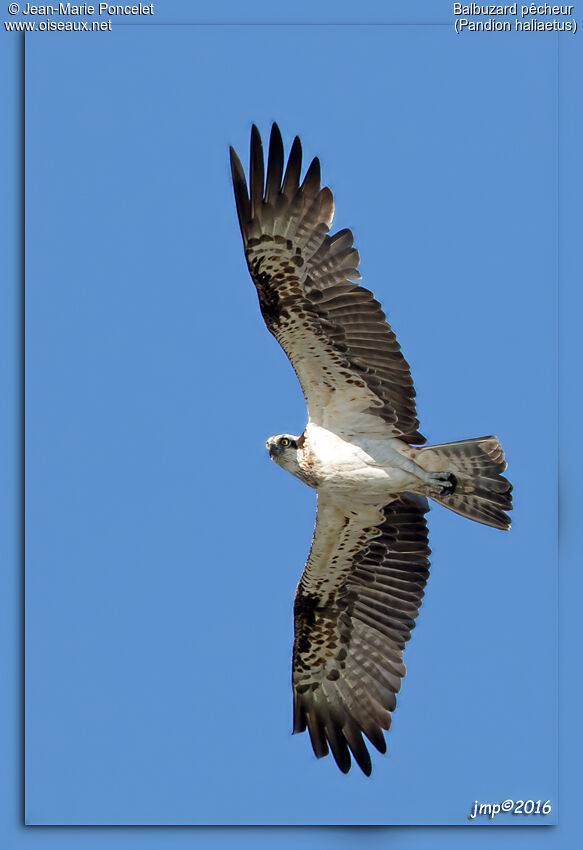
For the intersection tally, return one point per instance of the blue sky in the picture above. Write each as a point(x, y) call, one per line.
point(163, 548)
point(98, 748)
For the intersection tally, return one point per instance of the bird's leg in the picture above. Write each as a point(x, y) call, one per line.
point(440, 483)
point(436, 483)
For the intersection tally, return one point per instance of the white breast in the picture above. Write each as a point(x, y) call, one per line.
point(368, 469)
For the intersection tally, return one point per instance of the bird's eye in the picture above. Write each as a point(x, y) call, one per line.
point(285, 442)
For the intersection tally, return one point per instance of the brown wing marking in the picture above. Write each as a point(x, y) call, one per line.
point(334, 332)
point(354, 610)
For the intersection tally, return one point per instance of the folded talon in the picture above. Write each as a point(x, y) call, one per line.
point(441, 483)
point(449, 488)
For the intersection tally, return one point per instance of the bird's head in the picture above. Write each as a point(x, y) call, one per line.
point(283, 449)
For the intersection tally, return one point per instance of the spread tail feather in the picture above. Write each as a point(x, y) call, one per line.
point(478, 490)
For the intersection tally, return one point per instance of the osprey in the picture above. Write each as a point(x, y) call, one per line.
point(362, 585)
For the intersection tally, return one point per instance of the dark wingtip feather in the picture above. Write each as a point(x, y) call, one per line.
point(274, 164)
point(358, 748)
point(365, 766)
point(377, 739)
point(256, 172)
point(291, 180)
point(299, 714)
point(317, 734)
point(240, 190)
point(311, 184)
point(338, 746)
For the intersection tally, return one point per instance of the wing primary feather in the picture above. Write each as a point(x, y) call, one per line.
point(311, 184)
point(241, 194)
point(274, 165)
point(338, 745)
point(291, 180)
point(376, 737)
point(316, 732)
point(357, 746)
point(256, 172)
point(299, 718)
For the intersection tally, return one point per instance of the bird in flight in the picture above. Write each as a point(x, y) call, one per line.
point(361, 450)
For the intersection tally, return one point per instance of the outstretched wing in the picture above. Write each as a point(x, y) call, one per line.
point(349, 364)
point(354, 609)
